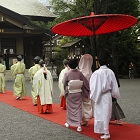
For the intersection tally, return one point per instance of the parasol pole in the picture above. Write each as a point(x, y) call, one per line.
point(96, 58)
point(94, 39)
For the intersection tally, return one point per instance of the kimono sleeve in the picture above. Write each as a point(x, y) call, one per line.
point(50, 81)
point(4, 70)
point(60, 84)
point(24, 68)
point(36, 85)
point(85, 88)
point(65, 82)
point(12, 69)
point(95, 87)
point(115, 90)
point(30, 74)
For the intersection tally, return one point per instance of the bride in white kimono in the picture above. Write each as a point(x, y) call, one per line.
point(103, 86)
point(85, 65)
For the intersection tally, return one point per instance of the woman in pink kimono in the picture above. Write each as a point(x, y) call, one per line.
point(76, 86)
point(85, 65)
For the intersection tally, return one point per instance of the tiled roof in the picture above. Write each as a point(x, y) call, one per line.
point(69, 44)
point(27, 7)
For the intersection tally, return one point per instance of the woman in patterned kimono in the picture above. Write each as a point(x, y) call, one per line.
point(60, 84)
point(18, 71)
point(103, 87)
point(2, 78)
point(76, 86)
point(43, 88)
point(85, 65)
point(32, 72)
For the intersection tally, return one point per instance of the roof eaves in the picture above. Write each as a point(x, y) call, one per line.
point(16, 16)
point(69, 44)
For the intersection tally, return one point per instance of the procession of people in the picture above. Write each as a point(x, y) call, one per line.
point(83, 94)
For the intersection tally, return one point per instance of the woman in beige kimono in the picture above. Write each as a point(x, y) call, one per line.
point(18, 72)
point(85, 65)
point(60, 84)
point(32, 72)
point(76, 86)
point(43, 88)
point(2, 78)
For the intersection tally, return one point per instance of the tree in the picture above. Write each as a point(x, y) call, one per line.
point(123, 43)
point(70, 10)
point(119, 42)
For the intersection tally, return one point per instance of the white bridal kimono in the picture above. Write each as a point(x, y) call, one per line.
point(103, 86)
point(85, 65)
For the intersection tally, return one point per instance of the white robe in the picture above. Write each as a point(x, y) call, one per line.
point(85, 65)
point(43, 87)
point(60, 84)
point(103, 86)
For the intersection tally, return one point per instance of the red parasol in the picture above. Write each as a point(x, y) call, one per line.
point(94, 25)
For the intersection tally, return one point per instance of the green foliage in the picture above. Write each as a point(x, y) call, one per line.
point(123, 44)
point(60, 53)
point(66, 39)
point(70, 10)
point(41, 24)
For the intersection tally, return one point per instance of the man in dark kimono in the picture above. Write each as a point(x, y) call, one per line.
point(117, 112)
point(131, 70)
point(76, 86)
point(6, 59)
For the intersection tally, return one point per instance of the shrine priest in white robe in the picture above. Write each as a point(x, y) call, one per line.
point(43, 89)
point(103, 87)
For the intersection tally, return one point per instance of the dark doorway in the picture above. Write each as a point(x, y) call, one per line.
point(32, 47)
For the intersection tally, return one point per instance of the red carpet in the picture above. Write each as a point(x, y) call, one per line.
point(118, 132)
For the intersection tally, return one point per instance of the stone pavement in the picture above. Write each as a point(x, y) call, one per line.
point(16, 124)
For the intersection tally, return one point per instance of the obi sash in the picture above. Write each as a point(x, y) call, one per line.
point(1, 74)
point(75, 86)
point(19, 74)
